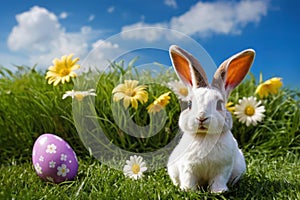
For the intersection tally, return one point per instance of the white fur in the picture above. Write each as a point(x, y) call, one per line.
point(207, 154)
point(206, 158)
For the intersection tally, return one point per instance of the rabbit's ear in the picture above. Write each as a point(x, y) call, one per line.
point(233, 70)
point(188, 68)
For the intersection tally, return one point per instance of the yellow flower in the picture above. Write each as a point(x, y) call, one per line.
point(62, 70)
point(131, 93)
point(270, 86)
point(230, 107)
point(159, 103)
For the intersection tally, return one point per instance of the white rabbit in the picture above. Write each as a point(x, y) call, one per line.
point(207, 154)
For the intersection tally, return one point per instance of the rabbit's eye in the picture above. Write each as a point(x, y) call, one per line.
point(220, 105)
point(189, 104)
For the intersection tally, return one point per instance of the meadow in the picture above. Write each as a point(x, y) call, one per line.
point(29, 107)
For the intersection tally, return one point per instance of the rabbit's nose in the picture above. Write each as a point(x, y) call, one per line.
point(202, 119)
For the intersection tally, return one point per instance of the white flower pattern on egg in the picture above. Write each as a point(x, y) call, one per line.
point(51, 148)
point(62, 170)
point(63, 157)
point(38, 168)
point(41, 158)
point(75, 156)
point(52, 164)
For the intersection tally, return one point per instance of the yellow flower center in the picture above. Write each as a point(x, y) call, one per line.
point(249, 110)
point(183, 91)
point(63, 170)
point(79, 97)
point(130, 92)
point(64, 72)
point(135, 168)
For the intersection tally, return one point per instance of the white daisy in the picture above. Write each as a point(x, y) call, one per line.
point(249, 111)
point(79, 95)
point(179, 89)
point(62, 170)
point(135, 167)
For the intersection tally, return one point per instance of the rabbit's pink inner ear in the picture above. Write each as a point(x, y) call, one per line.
point(188, 68)
point(182, 68)
point(238, 69)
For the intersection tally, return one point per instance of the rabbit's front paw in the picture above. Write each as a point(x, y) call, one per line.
point(186, 187)
point(188, 182)
point(218, 187)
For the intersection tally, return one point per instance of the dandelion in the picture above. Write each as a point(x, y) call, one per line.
point(179, 89)
point(135, 167)
point(62, 70)
point(79, 95)
point(131, 93)
point(230, 107)
point(159, 103)
point(249, 111)
point(270, 86)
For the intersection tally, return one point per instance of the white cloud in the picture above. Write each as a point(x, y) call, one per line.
point(66, 43)
point(171, 3)
point(91, 18)
point(140, 32)
point(219, 17)
point(111, 9)
point(39, 36)
point(101, 54)
point(63, 15)
point(32, 30)
point(207, 18)
point(251, 11)
point(104, 44)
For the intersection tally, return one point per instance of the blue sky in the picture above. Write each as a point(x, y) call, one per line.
point(35, 32)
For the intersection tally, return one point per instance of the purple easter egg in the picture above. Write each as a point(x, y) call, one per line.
point(53, 159)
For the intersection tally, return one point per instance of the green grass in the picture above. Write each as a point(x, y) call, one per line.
point(269, 176)
point(30, 107)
